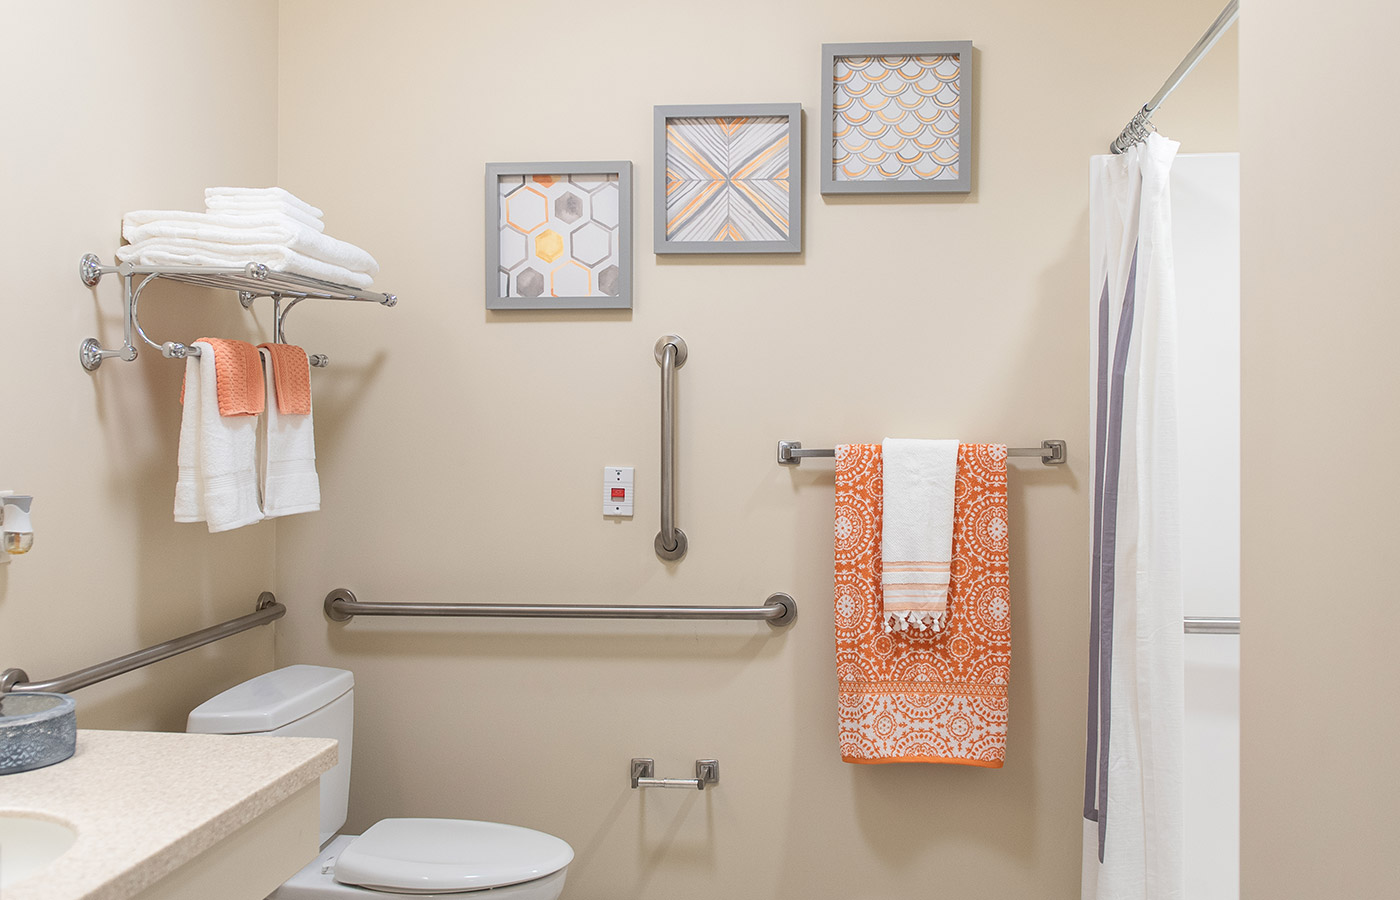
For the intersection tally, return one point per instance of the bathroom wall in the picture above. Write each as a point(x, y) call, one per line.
point(109, 107)
point(1319, 784)
point(461, 451)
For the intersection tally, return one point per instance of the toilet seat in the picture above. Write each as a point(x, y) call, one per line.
point(438, 856)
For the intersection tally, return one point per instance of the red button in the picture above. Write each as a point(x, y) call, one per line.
point(619, 493)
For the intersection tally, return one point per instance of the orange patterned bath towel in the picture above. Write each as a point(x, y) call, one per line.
point(923, 696)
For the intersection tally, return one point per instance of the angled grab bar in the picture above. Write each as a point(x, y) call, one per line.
point(268, 610)
point(779, 609)
point(670, 356)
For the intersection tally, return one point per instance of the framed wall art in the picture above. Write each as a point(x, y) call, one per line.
point(728, 178)
point(897, 117)
point(559, 235)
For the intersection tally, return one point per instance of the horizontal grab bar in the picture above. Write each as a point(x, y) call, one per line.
point(779, 609)
point(1211, 624)
point(268, 610)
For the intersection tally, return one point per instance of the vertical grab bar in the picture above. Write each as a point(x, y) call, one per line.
point(670, 356)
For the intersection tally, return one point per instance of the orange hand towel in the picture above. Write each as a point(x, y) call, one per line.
point(238, 374)
point(291, 377)
point(916, 696)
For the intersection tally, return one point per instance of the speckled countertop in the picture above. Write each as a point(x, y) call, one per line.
point(145, 803)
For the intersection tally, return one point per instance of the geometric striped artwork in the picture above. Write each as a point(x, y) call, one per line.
point(897, 119)
point(560, 235)
point(730, 179)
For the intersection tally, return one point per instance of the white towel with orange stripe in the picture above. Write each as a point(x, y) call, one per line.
point(916, 543)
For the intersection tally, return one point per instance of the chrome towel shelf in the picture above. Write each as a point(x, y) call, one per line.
point(779, 609)
point(250, 282)
point(1051, 452)
point(268, 610)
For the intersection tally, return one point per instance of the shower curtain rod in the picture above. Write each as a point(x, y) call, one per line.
point(1137, 129)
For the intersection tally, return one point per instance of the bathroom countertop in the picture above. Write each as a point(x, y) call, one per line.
point(146, 803)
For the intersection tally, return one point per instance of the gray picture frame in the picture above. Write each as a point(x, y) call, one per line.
point(661, 114)
point(622, 169)
point(962, 184)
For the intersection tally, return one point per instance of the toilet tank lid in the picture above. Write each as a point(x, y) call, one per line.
point(270, 701)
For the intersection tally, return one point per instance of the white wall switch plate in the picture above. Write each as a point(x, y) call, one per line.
point(617, 491)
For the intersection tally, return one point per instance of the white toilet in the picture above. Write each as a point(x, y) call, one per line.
point(448, 858)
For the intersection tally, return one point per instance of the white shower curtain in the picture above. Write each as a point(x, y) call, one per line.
point(1133, 764)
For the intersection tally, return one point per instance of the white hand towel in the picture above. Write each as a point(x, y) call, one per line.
point(221, 487)
point(217, 229)
point(176, 252)
point(288, 456)
point(189, 480)
point(270, 193)
point(235, 206)
point(916, 546)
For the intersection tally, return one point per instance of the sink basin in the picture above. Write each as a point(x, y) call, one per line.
point(36, 730)
point(28, 844)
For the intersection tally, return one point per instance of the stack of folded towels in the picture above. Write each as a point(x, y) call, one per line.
point(245, 225)
point(247, 451)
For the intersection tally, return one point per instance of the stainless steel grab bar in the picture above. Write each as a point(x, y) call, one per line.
point(670, 356)
point(778, 609)
point(268, 610)
point(1211, 624)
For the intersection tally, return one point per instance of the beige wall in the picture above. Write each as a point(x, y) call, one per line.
point(1319, 786)
point(109, 107)
point(460, 451)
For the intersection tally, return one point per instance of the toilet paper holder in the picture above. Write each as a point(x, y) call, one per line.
point(644, 772)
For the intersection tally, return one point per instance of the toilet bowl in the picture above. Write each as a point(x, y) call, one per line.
point(445, 858)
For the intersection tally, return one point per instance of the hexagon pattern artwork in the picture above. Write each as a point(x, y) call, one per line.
point(895, 118)
point(727, 178)
point(558, 235)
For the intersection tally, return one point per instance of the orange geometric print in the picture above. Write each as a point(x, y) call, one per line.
point(923, 696)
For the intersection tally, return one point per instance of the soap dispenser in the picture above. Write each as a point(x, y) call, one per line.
point(15, 527)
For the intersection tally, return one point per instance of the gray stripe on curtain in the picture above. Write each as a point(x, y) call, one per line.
point(1109, 448)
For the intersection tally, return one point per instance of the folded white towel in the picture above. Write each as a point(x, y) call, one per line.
point(269, 193)
point(218, 478)
point(250, 217)
point(239, 207)
point(214, 228)
point(176, 252)
point(916, 545)
point(288, 456)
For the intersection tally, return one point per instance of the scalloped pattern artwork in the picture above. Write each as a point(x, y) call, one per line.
point(895, 118)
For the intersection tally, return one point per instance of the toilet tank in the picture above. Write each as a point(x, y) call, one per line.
point(297, 701)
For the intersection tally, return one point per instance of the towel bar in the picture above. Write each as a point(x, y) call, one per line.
point(1050, 452)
